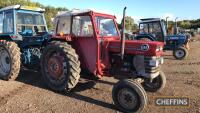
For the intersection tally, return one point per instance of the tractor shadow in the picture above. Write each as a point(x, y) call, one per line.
point(35, 79)
point(169, 57)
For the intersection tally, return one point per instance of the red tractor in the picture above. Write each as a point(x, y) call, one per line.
point(88, 40)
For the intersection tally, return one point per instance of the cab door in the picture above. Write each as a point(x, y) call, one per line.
point(106, 32)
point(85, 42)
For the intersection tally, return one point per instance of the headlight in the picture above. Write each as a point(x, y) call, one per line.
point(154, 63)
point(159, 48)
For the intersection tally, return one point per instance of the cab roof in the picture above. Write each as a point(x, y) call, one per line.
point(147, 20)
point(80, 12)
point(23, 8)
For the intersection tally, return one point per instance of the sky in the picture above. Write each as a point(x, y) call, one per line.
point(183, 9)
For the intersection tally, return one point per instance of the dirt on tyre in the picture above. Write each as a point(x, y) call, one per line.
point(60, 66)
point(129, 96)
point(157, 84)
point(180, 53)
point(10, 60)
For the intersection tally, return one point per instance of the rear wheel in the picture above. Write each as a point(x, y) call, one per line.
point(157, 84)
point(9, 60)
point(60, 66)
point(180, 53)
point(129, 96)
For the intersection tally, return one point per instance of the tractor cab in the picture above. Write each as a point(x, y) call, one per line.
point(23, 23)
point(85, 23)
point(154, 29)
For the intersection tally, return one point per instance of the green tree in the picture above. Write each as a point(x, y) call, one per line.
point(185, 24)
point(130, 24)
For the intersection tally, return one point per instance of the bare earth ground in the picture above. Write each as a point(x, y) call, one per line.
point(29, 94)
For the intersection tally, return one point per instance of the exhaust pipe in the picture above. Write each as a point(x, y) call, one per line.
point(122, 47)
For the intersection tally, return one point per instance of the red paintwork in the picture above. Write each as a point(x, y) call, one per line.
point(131, 47)
point(88, 48)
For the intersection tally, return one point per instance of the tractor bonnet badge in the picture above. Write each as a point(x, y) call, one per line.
point(144, 47)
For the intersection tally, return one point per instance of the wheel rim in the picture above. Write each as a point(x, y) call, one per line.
point(180, 53)
point(127, 98)
point(56, 68)
point(5, 62)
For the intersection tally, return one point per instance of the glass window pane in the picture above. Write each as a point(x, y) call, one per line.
point(64, 24)
point(26, 18)
point(82, 26)
point(8, 23)
point(28, 23)
point(143, 28)
point(106, 26)
point(1, 23)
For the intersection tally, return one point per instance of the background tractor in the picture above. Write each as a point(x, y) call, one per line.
point(23, 33)
point(153, 29)
point(88, 40)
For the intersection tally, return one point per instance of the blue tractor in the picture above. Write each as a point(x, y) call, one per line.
point(23, 34)
point(153, 29)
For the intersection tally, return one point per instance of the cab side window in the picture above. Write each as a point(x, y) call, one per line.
point(82, 26)
point(63, 25)
point(8, 26)
point(144, 29)
point(1, 22)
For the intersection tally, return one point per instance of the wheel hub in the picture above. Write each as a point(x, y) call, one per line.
point(55, 66)
point(179, 53)
point(127, 98)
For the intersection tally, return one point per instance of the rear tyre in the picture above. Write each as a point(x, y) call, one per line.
point(9, 60)
point(180, 53)
point(60, 66)
point(157, 85)
point(129, 96)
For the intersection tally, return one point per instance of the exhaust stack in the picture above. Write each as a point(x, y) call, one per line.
point(123, 35)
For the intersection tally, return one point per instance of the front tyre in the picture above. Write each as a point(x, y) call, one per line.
point(157, 84)
point(180, 53)
point(129, 96)
point(60, 66)
point(9, 60)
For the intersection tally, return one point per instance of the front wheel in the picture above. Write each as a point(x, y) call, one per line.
point(180, 53)
point(157, 84)
point(60, 66)
point(129, 96)
point(9, 60)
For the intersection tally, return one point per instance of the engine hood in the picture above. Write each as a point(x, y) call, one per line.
point(176, 37)
point(136, 47)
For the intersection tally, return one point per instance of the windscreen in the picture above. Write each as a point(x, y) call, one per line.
point(106, 26)
point(153, 28)
point(28, 23)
